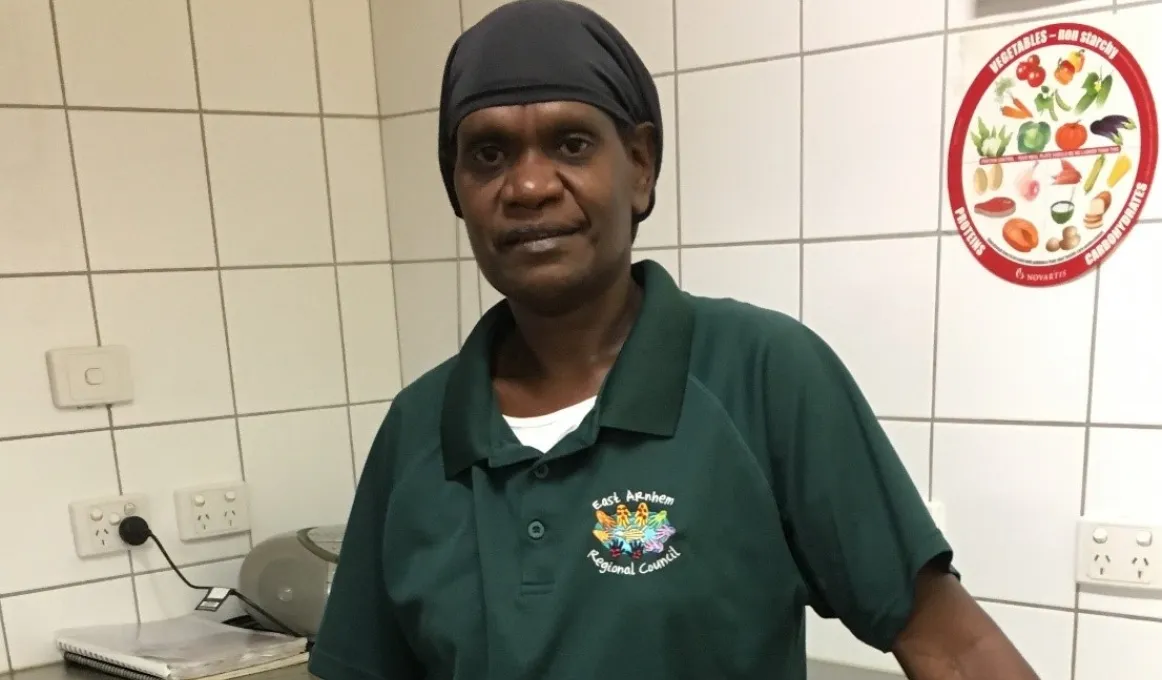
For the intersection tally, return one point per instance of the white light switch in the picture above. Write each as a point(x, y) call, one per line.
point(89, 376)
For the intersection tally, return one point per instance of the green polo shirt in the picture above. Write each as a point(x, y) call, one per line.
point(730, 475)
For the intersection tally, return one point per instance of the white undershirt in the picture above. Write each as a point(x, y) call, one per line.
point(543, 432)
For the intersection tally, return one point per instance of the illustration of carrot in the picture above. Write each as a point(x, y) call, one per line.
point(1016, 108)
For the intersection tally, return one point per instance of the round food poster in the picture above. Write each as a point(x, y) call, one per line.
point(1052, 154)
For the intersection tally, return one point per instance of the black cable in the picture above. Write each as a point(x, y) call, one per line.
point(136, 531)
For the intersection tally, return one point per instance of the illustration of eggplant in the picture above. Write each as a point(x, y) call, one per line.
point(1111, 127)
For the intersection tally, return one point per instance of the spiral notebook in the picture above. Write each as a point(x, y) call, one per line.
point(189, 647)
point(130, 674)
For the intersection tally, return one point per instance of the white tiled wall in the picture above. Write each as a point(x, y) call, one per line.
point(204, 183)
point(208, 187)
point(803, 172)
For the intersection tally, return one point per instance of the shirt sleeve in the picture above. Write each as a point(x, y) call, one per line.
point(360, 637)
point(857, 524)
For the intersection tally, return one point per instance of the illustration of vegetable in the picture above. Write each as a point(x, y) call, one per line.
point(989, 142)
point(1028, 187)
point(1094, 172)
point(980, 182)
point(1110, 127)
point(1097, 90)
point(1068, 175)
point(1011, 107)
point(1033, 137)
point(1068, 241)
point(1068, 67)
point(1071, 136)
point(1031, 72)
point(1070, 238)
point(1020, 234)
point(1121, 167)
point(1048, 101)
point(1018, 112)
point(996, 176)
point(1076, 59)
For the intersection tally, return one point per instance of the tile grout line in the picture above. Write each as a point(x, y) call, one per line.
point(331, 227)
point(88, 263)
point(117, 577)
point(988, 422)
point(945, 44)
point(983, 26)
point(677, 142)
point(217, 250)
point(802, 160)
point(4, 637)
point(853, 238)
point(387, 206)
point(968, 28)
point(1088, 438)
point(1076, 611)
point(199, 109)
point(480, 282)
point(1028, 605)
point(169, 270)
point(1019, 423)
point(200, 419)
point(460, 334)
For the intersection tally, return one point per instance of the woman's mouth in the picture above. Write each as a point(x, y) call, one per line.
point(536, 237)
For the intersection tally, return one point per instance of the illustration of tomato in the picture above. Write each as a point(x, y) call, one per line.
point(1071, 136)
point(1036, 76)
point(1023, 70)
point(1065, 72)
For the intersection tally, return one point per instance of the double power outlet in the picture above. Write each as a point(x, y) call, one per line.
point(1119, 555)
point(212, 511)
point(96, 522)
point(202, 512)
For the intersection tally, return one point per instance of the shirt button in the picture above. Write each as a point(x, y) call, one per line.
point(541, 471)
point(536, 530)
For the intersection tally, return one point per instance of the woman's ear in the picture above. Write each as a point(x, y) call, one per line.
point(641, 144)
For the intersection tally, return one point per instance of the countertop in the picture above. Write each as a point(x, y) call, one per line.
point(63, 672)
point(815, 671)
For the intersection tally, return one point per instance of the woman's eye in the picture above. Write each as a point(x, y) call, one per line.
point(575, 146)
point(488, 155)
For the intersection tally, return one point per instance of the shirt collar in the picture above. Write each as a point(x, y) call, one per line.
point(643, 392)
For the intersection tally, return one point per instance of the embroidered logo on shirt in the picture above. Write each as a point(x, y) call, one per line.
point(634, 537)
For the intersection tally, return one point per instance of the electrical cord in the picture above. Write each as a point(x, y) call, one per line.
point(135, 531)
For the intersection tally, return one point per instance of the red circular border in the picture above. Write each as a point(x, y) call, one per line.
point(1067, 270)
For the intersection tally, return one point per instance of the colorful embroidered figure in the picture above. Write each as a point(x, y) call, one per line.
point(638, 534)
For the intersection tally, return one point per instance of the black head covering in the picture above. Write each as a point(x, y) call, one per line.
point(532, 51)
